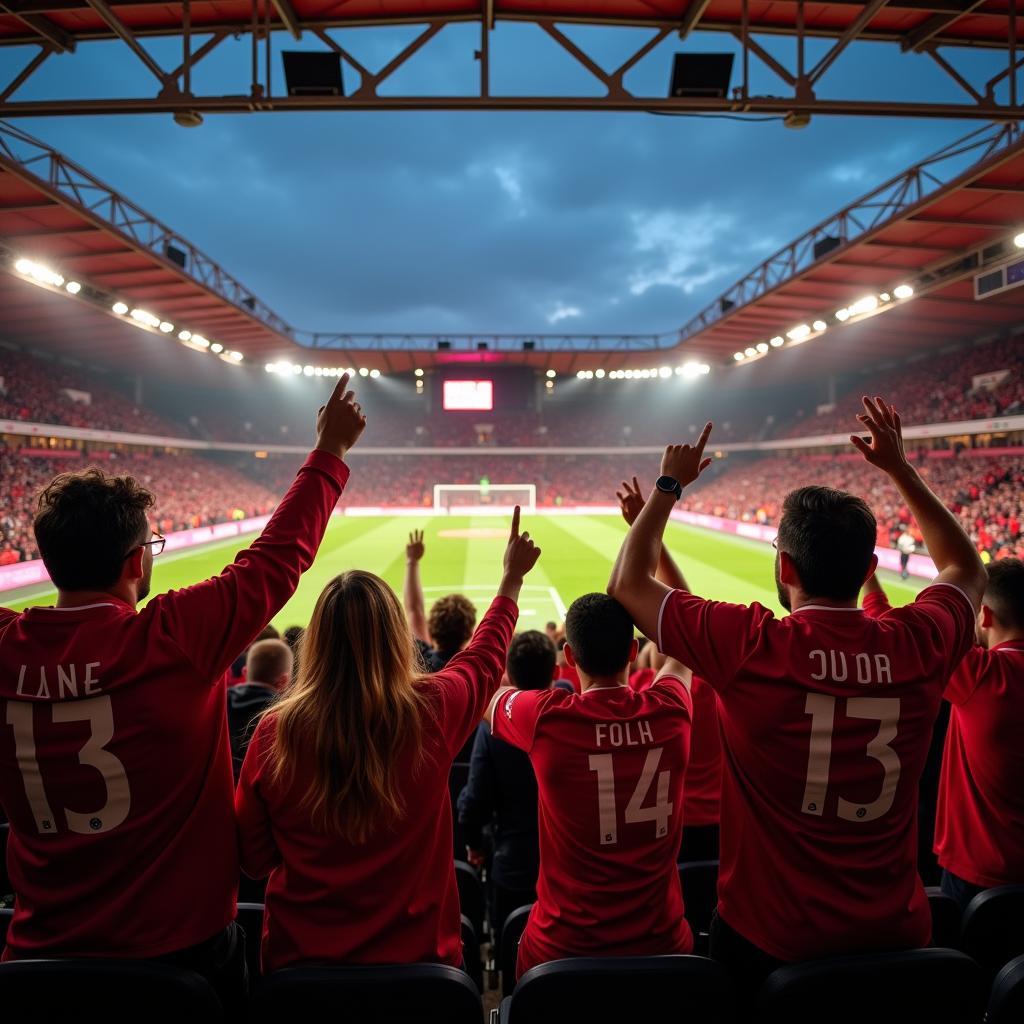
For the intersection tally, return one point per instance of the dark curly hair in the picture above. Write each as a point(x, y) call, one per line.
point(451, 623)
point(86, 524)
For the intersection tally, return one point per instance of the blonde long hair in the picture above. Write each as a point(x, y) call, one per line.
point(353, 709)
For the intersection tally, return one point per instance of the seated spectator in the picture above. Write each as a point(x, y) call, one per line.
point(268, 671)
point(343, 798)
point(238, 666)
point(826, 715)
point(117, 775)
point(502, 789)
point(609, 764)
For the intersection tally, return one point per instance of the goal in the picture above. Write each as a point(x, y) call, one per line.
point(483, 499)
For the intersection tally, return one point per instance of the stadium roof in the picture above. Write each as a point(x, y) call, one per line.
point(928, 227)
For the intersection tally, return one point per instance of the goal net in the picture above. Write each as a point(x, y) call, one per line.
point(483, 499)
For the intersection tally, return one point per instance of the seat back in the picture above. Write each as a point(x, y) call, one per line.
point(471, 896)
point(56, 991)
point(946, 918)
point(610, 990)
point(471, 953)
point(6, 915)
point(1006, 1003)
point(993, 927)
point(250, 917)
point(940, 986)
point(425, 993)
point(511, 933)
point(699, 879)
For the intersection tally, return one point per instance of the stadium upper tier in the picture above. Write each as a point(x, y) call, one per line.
point(971, 382)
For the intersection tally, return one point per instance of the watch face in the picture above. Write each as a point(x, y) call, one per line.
point(667, 484)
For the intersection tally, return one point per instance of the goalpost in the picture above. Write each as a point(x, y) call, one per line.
point(483, 499)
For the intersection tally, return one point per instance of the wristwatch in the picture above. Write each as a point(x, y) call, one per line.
point(669, 485)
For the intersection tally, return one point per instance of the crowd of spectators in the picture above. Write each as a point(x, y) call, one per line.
point(985, 491)
point(191, 491)
point(938, 389)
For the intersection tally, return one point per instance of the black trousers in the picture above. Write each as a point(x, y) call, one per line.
point(700, 842)
point(221, 961)
point(959, 890)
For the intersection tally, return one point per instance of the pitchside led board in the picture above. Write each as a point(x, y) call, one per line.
point(475, 395)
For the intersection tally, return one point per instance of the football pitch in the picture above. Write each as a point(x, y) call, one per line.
point(464, 554)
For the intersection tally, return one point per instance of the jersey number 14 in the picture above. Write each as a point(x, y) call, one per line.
point(604, 766)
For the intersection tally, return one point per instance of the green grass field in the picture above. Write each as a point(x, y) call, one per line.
point(577, 557)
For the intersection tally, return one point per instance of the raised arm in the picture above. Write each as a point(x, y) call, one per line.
point(949, 546)
point(412, 591)
point(631, 503)
point(213, 621)
point(874, 600)
point(634, 582)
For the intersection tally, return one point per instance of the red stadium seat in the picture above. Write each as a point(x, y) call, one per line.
point(937, 986)
point(424, 993)
point(611, 990)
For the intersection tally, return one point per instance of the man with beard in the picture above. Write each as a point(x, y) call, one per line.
point(826, 715)
point(115, 765)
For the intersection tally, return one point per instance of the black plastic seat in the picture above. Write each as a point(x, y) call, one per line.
point(993, 927)
point(250, 917)
point(6, 915)
point(471, 953)
point(472, 902)
point(946, 918)
point(611, 990)
point(1006, 1003)
point(940, 986)
point(699, 879)
point(424, 993)
point(511, 932)
point(129, 991)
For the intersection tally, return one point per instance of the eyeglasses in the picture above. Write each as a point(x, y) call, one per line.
point(157, 544)
point(775, 543)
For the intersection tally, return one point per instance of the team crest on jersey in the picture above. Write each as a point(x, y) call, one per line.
point(509, 701)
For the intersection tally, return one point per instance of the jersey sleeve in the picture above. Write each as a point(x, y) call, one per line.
point(711, 637)
point(876, 604)
point(257, 850)
point(214, 621)
point(471, 678)
point(967, 676)
point(944, 620)
point(517, 713)
point(672, 688)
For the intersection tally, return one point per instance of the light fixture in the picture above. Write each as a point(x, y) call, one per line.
point(664, 372)
point(885, 296)
point(777, 342)
point(318, 371)
point(417, 373)
point(799, 333)
point(73, 287)
point(216, 347)
point(820, 325)
point(120, 308)
point(363, 371)
point(235, 357)
point(705, 369)
point(905, 291)
point(200, 342)
point(1018, 240)
point(166, 327)
point(549, 384)
point(184, 335)
point(762, 347)
point(866, 305)
point(751, 351)
point(630, 374)
point(308, 371)
point(374, 373)
point(270, 368)
point(142, 316)
point(842, 315)
point(38, 272)
point(551, 374)
point(738, 356)
point(599, 374)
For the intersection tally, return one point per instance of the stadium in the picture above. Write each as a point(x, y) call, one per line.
point(359, 660)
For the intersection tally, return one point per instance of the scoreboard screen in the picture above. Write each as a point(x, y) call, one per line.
point(476, 395)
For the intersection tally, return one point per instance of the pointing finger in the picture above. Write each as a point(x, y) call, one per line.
point(339, 388)
point(703, 439)
point(515, 523)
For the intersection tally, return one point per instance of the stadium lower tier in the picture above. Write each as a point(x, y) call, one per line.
point(985, 490)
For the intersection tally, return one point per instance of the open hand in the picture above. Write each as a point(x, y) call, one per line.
point(521, 554)
point(415, 548)
point(631, 501)
point(340, 422)
point(885, 449)
point(686, 462)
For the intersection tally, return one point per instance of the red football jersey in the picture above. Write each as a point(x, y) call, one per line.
point(610, 765)
point(392, 899)
point(826, 717)
point(115, 765)
point(979, 829)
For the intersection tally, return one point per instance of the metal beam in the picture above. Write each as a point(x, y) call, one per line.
point(114, 23)
point(45, 29)
point(691, 16)
point(852, 31)
point(26, 73)
point(286, 13)
point(917, 38)
point(958, 222)
point(984, 186)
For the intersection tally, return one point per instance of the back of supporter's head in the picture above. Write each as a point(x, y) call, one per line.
point(451, 623)
point(269, 632)
point(599, 635)
point(87, 524)
point(531, 660)
point(353, 708)
point(1004, 595)
point(269, 662)
point(829, 536)
point(292, 635)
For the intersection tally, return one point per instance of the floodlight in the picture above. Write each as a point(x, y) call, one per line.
point(166, 327)
point(551, 374)
point(866, 305)
point(417, 373)
point(23, 266)
point(738, 356)
point(751, 351)
point(799, 333)
point(270, 368)
point(599, 374)
point(73, 287)
point(308, 371)
point(665, 371)
point(1018, 240)
point(777, 341)
point(374, 373)
point(820, 325)
point(905, 291)
point(184, 335)
point(363, 371)
point(120, 308)
point(762, 347)
point(198, 339)
point(842, 315)
point(216, 348)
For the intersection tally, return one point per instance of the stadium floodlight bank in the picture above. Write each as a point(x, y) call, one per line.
point(483, 499)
